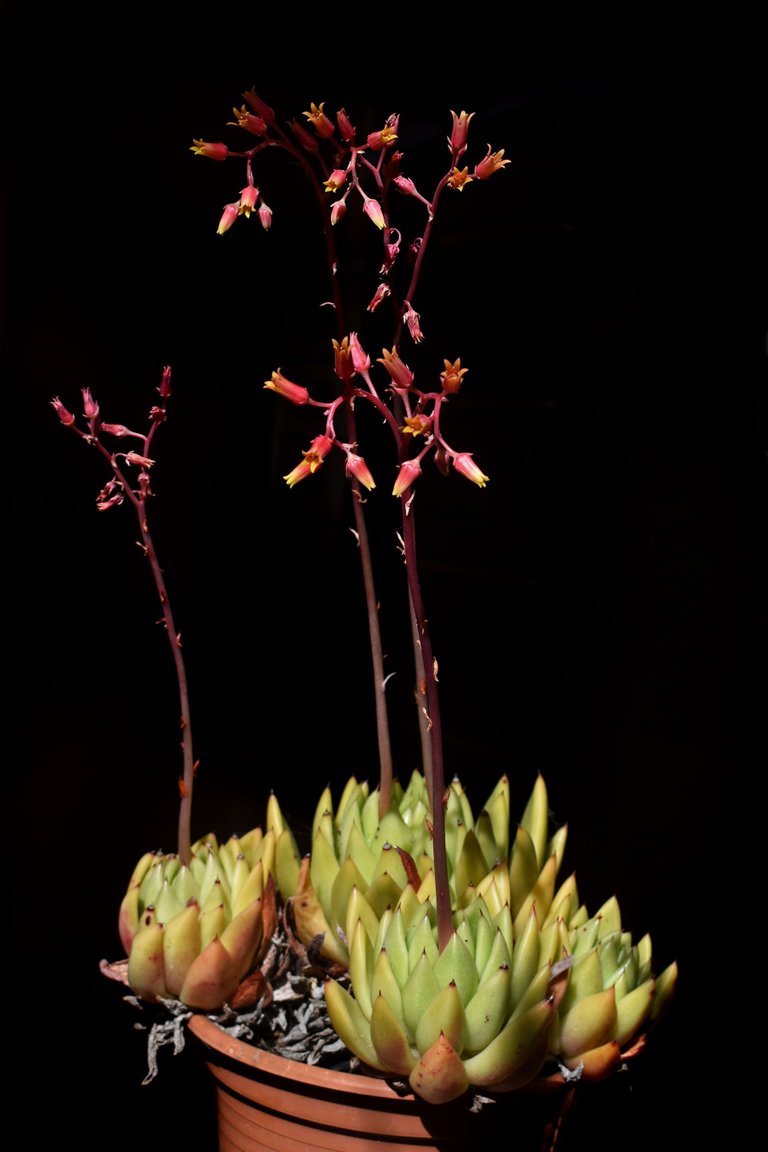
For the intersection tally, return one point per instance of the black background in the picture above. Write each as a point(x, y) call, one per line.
point(598, 611)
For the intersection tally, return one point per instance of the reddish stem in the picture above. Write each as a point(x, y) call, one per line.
point(139, 503)
point(386, 770)
point(442, 891)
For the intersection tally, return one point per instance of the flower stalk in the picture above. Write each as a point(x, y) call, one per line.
point(341, 170)
point(121, 488)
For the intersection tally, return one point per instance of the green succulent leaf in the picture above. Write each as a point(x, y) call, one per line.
point(390, 1039)
point(351, 1025)
point(444, 1016)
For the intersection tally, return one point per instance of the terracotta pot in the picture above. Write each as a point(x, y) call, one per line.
point(266, 1102)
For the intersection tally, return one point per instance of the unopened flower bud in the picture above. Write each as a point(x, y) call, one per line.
point(361, 361)
point(465, 465)
point(345, 127)
point(228, 217)
point(90, 407)
point(458, 137)
point(373, 211)
point(265, 215)
point(338, 208)
point(358, 468)
point(165, 382)
point(259, 107)
point(118, 430)
point(408, 474)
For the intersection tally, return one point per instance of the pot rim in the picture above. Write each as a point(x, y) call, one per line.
point(215, 1037)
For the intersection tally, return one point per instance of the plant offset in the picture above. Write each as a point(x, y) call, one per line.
point(452, 955)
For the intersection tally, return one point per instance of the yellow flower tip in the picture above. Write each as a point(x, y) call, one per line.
point(358, 468)
point(465, 466)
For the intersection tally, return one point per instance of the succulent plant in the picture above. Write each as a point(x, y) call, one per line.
point(193, 932)
point(612, 996)
point(357, 848)
point(527, 977)
point(453, 958)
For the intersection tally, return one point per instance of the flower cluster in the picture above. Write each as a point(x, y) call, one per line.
point(422, 418)
point(343, 165)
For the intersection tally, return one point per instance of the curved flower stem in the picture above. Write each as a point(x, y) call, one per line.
point(186, 783)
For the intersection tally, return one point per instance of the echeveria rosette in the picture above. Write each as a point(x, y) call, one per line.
point(194, 932)
point(529, 984)
point(507, 1001)
point(612, 997)
point(355, 847)
point(476, 1014)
